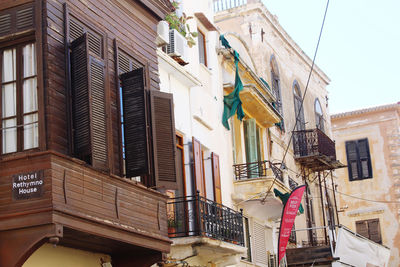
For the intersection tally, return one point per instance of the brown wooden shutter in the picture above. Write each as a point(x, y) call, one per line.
point(374, 231)
point(216, 177)
point(89, 118)
point(80, 101)
point(198, 167)
point(352, 160)
point(17, 19)
point(135, 123)
point(362, 228)
point(164, 147)
point(98, 113)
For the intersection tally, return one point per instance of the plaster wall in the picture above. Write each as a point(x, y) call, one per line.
point(48, 256)
point(247, 24)
point(382, 128)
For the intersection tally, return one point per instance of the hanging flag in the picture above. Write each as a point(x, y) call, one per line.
point(288, 216)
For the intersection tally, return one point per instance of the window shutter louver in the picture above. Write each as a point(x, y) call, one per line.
point(216, 178)
point(135, 123)
point(164, 146)
point(98, 112)
point(197, 167)
point(17, 19)
point(362, 228)
point(25, 18)
point(89, 119)
point(80, 91)
point(260, 249)
point(352, 159)
point(374, 231)
point(365, 162)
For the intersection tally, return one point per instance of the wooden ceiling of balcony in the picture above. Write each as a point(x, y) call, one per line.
point(319, 163)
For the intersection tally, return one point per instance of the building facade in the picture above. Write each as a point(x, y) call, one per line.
point(367, 142)
point(267, 157)
point(86, 135)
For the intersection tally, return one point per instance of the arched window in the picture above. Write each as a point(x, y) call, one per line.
point(276, 89)
point(298, 109)
point(319, 117)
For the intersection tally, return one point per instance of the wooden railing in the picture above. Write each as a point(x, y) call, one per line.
point(313, 142)
point(221, 5)
point(257, 170)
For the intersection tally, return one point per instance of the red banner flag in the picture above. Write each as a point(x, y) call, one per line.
point(288, 216)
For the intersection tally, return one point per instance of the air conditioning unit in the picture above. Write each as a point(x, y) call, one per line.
point(162, 33)
point(177, 47)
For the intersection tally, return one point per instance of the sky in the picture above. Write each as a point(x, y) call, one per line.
point(359, 48)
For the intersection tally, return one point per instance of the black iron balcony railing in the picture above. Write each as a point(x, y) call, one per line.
point(198, 216)
point(257, 170)
point(313, 142)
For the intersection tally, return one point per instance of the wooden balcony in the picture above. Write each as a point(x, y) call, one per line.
point(48, 197)
point(315, 150)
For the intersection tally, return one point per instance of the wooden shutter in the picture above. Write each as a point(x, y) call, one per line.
point(260, 248)
point(80, 101)
point(216, 177)
point(17, 19)
point(362, 228)
point(98, 118)
point(89, 118)
point(164, 147)
point(352, 159)
point(135, 123)
point(374, 231)
point(198, 167)
point(365, 160)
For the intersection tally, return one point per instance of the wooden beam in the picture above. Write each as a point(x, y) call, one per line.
point(17, 245)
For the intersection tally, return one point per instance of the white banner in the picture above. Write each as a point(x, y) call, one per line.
point(358, 251)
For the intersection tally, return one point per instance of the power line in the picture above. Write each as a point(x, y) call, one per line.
point(365, 199)
point(304, 95)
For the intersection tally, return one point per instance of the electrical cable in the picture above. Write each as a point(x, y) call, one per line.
point(302, 100)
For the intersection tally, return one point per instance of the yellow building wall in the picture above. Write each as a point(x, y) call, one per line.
point(50, 256)
point(381, 126)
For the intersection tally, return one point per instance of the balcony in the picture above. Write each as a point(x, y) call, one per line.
point(315, 150)
point(198, 216)
point(221, 5)
point(252, 181)
point(49, 197)
point(257, 169)
point(204, 232)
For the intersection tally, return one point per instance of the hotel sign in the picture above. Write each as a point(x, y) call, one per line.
point(27, 185)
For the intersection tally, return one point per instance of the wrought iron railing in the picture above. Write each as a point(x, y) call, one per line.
point(312, 143)
point(198, 216)
point(221, 5)
point(257, 170)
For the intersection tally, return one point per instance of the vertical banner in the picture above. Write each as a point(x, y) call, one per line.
point(288, 216)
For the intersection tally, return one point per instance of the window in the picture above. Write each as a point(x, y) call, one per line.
point(19, 98)
point(276, 90)
point(319, 117)
point(358, 159)
point(202, 48)
point(88, 85)
point(298, 108)
point(147, 128)
point(369, 229)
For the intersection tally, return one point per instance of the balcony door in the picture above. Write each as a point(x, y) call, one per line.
point(253, 147)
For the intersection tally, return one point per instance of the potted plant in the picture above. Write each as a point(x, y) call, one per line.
point(172, 225)
point(179, 23)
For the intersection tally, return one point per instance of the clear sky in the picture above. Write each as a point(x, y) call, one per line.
point(359, 49)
